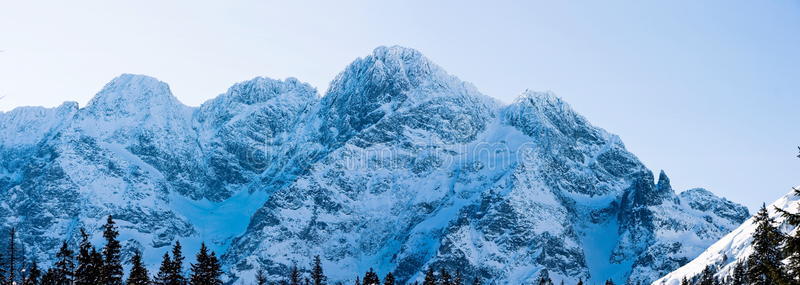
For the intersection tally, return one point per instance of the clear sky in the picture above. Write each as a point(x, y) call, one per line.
point(709, 91)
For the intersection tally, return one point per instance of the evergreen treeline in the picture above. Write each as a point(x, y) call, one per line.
point(92, 266)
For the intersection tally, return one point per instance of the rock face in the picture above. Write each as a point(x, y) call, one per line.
point(399, 167)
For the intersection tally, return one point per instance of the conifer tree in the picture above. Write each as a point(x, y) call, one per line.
point(175, 273)
point(64, 266)
point(371, 278)
point(138, 274)
point(358, 280)
point(707, 276)
point(12, 257)
point(215, 269)
point(162, 278)
point(294, 276)
point(684, 281)
point(112, 262)
point(544, 278)
point(2, 271)
point(580, 281)
point(317, 275)
point(389, 279)
point(791, 246)
point(739, 275)
point(261, 277)
point(51, 278)
point(34, 275)
point(206, 270)
point(430, 278)
point(97, 260)
point(764, 265)
point(88, 269)
point(444, 277)
point(609, 282)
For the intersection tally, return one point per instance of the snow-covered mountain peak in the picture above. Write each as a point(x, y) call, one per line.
point(263, 89)
point(27, 125)
point(389, 73)
point(244, 98)
point(703, 200)
point(547, 105)
point(400, 85)
point(545, 115)
point(131, 95)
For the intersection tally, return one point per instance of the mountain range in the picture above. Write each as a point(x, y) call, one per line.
point(399, 166)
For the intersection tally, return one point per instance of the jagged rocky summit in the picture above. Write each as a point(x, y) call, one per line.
point(399, 166)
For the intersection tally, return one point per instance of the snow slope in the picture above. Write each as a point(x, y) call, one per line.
point(734, 247)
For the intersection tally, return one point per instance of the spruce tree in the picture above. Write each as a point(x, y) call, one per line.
point(51, 277)
point(739, 275)
point(580, 281)
point(764, 264)
point(34, 275)
point(707, 276)
point(175, 274)
point(684, 281)
point(389, 279)
point(261, 277)
point(544, 278)
point(358, 280)
point(206, 270)
point(65, 265)
point(97, 260)
point(198, 269)
point(371, 278)
point(138, 274)
point(12, 257)
point(317, 275)
point(88, 269)
point(215, 269)
point(294, 276)
point(112, 262)
point(430, 278)
point(162, 278)
point(609, 282)
point(3, 270)
point(791, 246)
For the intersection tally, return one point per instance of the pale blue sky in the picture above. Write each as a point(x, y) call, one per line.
point(709, 91)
